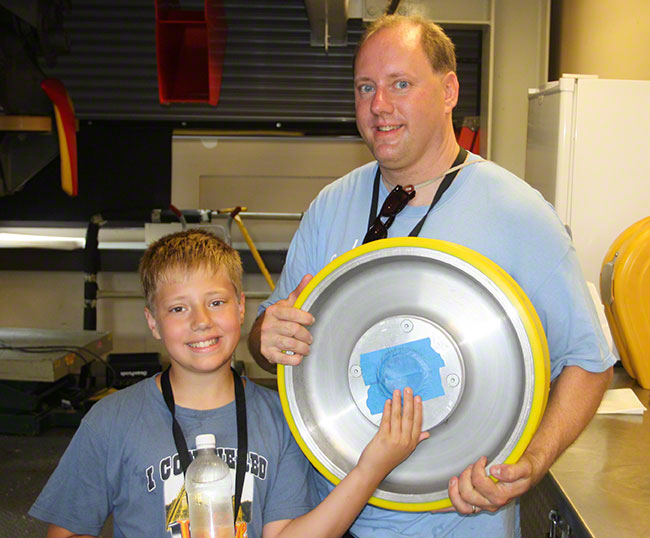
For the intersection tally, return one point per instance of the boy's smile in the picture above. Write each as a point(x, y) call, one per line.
point(198, 317)
point(204, 344)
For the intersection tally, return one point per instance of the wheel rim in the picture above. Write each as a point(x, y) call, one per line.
point(383, 300)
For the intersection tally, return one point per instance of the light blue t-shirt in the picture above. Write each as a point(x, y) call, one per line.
point(493, 212)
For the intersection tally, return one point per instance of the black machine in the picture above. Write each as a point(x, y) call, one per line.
point(125, 369)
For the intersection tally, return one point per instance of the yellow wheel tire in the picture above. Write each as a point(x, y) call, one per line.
point(306, 398)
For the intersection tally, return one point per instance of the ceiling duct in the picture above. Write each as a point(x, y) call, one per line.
point(328, 20)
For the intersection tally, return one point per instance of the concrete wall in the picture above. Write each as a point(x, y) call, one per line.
point(608, 38)
point(271, 175)
point(265, 174)
point(213, 174)
point(520, 62)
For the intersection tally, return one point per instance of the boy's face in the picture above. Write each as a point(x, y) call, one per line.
point(198, 317)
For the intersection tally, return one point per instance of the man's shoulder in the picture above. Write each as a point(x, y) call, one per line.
point(488, 180)
point(359, 177)
point(499, 177)
point(347, 189)
point(363, 171)
point(489, 169)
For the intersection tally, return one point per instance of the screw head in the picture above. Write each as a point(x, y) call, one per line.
point(355, 370)
point(406, 325)
point(453, 380)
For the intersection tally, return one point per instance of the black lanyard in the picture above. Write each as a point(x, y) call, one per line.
point(242, 432)
point(444, 185)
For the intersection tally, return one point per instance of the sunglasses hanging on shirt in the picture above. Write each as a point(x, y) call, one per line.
point(399, 197)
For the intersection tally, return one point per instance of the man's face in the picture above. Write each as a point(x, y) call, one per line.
point(403, 107)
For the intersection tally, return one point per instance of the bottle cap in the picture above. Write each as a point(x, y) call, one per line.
point(205, 440)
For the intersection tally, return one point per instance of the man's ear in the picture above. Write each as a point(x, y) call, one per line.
point(151, 321)
point(451, 88)
point(242, 308)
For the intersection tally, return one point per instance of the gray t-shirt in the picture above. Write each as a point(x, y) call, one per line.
point(123, 460)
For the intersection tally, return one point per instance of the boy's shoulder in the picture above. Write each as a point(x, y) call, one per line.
point(143, 397)
point(257, 392)
point(266, 400)
point(132, 392)
point(124, 403)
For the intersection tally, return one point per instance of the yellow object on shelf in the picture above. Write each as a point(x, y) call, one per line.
point(26, 123)
point(66, 129)
point(625, 292)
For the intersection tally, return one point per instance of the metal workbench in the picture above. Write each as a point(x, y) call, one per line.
point(600, 487)
point(45, 376)
point(51, 366)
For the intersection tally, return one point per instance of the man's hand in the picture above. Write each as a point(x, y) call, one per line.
point(474, 490)
point(399, 433)
point(573, 400)
point(279, 335)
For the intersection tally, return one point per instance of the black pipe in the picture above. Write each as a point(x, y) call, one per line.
point(91, 268)
point(392, 8)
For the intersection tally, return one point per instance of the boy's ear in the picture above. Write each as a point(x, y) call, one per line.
point(151, 321)
point(242, 308)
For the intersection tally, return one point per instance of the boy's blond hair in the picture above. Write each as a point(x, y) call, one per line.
point(185, 252)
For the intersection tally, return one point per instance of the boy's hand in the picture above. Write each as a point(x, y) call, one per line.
point(399, 433)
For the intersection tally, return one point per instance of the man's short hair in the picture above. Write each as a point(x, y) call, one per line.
point(185, 252)
point(435, 43)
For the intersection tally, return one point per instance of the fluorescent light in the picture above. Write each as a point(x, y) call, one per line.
point(14, 240)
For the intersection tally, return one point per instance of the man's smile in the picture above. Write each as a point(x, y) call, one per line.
point(388, 128)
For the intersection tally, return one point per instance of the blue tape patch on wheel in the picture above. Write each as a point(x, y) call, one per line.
point(414, 364)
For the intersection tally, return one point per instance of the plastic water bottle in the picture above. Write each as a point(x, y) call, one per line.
point(209, 492)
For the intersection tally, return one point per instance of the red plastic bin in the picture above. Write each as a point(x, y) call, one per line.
point(190, 48)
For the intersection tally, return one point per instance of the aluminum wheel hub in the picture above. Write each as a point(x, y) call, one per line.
point(434, 316)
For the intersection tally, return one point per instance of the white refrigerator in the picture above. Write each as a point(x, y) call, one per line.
point(588, 153)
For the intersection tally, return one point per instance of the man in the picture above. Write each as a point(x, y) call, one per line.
point(405, 90)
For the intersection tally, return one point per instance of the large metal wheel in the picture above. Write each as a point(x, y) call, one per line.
point(428, 314)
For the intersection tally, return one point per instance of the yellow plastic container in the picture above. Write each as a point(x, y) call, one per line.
point(625, 292)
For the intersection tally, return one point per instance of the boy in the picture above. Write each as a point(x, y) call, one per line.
point(125, 460)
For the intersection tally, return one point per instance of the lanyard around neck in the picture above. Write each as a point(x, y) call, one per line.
point(444, 185)
point(242, 432)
